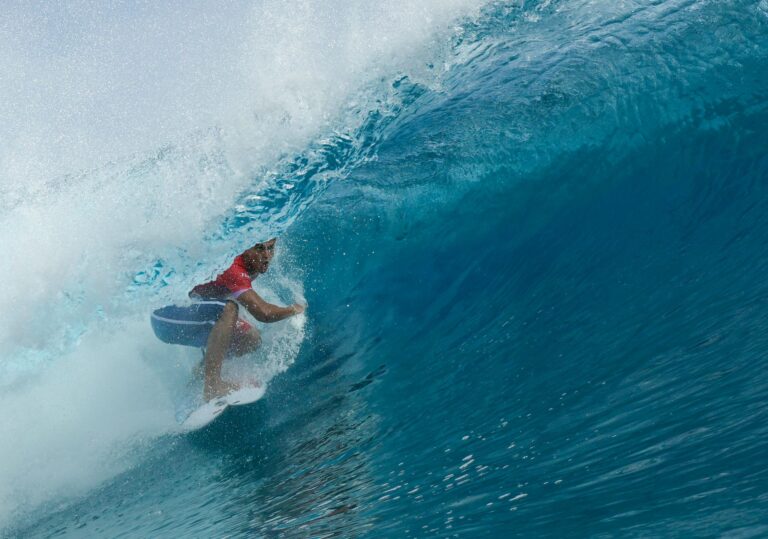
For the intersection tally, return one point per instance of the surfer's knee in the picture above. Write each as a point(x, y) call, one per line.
point(246, 342)
point(229, 312)
point(254, 338)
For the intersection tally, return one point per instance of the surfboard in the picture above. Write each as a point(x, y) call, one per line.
point(212, 409)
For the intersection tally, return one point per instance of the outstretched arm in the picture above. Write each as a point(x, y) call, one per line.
point(266, 312)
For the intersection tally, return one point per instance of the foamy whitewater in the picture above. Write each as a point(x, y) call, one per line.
point(530, 234)
point(129, 133)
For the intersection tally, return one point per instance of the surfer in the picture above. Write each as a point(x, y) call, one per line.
point(212, 321)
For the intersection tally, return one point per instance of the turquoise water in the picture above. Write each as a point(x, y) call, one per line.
point(534, 258)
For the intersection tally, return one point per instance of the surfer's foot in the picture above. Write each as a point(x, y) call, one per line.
point(219, 390)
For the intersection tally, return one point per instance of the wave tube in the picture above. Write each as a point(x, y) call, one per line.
point(119, 165)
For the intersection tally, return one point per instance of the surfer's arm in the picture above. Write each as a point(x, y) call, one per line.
point(266, 312)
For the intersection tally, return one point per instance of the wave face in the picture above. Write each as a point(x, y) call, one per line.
point(531, 236)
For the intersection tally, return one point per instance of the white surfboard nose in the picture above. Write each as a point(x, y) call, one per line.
point(209, 411)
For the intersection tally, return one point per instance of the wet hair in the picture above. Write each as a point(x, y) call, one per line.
point(262, 246)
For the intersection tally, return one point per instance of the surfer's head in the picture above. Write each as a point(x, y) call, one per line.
point(258, 257)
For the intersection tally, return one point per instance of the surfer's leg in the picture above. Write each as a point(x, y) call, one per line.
point(199, 371)
point(245, 342)
point(218, 343)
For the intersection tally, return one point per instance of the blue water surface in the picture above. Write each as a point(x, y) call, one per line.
point(538, 303)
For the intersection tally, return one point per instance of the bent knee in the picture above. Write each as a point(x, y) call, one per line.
point(251, 340)
point(230, 309)
point(228, 315)
point(245, 343)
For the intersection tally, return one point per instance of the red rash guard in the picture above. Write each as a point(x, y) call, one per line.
point(228, 285)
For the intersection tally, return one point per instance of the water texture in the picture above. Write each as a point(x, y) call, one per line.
point(532, 237)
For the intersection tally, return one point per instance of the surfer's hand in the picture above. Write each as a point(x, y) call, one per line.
point(298, 308)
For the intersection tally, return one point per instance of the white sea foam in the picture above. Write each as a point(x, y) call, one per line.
point(69, 426)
